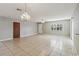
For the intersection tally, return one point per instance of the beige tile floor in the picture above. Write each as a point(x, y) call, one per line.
point(38, 45)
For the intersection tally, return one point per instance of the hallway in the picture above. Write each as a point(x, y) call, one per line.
point(40, 45)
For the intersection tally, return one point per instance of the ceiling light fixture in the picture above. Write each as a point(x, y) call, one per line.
point(25, 15)
point(42, 21)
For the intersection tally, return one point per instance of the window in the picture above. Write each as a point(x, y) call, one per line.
point(56, 27)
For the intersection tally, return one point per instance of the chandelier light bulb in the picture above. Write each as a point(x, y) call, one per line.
point(25, 16)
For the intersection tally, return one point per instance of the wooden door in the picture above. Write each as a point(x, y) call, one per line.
point(16, 30)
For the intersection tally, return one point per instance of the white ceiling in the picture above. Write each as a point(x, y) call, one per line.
point(47, 11)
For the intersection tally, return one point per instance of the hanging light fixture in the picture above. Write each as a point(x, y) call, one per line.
point(25, 15)
point(42, 20)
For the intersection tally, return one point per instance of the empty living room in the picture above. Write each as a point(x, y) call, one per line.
point(39, 29)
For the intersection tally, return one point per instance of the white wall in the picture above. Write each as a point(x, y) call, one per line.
point(6, 29)
point(75, 23)
point(28, 28)
point(65, 30)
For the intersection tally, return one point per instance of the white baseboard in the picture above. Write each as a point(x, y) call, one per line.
point(21, 36)
point(6, 39)
point(28, 35)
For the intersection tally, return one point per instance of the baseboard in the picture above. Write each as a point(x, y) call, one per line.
point(28, 35)
point(6, 39)
point(21, 36)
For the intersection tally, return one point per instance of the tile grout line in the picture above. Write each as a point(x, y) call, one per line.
point(8, 48)
point(11, 51)
point(75, 49)
point(22, 49)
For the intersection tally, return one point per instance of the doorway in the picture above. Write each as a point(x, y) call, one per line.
point(40, 28)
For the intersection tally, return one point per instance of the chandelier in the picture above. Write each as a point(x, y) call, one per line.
point(24, 15)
